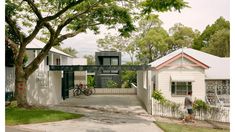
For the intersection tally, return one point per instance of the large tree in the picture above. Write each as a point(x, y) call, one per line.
point(62, 19)
point(206, 35)
point(181, 36)
point(151, 40)
point(219, 44)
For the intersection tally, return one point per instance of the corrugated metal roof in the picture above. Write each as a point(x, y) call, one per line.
point(219, 68)
point(37, 44)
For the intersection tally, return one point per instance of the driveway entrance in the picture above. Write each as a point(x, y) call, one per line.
point(109, 103)
point(102, 113)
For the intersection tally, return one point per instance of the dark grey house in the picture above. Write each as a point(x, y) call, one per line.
point(102, 77)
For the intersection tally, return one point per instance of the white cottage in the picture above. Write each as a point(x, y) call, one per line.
point(183, 70)
point(44, 86)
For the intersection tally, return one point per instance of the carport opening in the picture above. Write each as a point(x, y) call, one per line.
point(69, 77)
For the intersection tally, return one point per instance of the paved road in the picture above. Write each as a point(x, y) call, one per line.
point(103, 113)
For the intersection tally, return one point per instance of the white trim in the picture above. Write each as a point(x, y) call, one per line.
point(177, 78)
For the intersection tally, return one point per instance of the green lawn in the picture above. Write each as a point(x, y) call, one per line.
point(16, 116)
point(170, 127)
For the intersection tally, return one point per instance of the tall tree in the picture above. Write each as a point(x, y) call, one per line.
point(219, 44)
point(152, 45)
point(27, 19)
point(151, 39)
point(204, 38)
point(182, 36)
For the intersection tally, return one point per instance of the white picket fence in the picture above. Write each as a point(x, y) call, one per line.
point(220, 114)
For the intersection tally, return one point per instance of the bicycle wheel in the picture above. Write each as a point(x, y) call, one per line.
point(87, 92)
point(76, 92)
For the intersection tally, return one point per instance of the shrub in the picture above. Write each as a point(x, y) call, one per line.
point(111, 84)
point(158, 96)
point(200, 105)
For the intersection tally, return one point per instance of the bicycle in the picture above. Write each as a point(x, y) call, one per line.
point(79, 89)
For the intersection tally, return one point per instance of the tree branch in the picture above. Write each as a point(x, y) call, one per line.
point(69, 35)
point(63, 10)
point(34, 8)
point(35, 63)
point(15, 29)
point(66, 22)
point(34, 33)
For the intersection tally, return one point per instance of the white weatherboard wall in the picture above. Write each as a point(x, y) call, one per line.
point(44, 86)
point(188, 73)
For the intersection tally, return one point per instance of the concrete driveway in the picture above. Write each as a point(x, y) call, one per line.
point(103, 113)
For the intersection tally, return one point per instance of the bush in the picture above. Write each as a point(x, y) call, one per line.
point(158, 96)
point(111, 84)
point(90, 81)
point(200, 105)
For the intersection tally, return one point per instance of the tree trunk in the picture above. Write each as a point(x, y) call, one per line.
point(21, 87)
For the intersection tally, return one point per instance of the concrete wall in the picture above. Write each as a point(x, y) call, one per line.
point(144, 90)
point(44, 88)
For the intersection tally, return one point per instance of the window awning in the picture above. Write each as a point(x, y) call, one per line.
point(181, 78)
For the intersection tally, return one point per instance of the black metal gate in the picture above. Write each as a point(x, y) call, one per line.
point(67, 83)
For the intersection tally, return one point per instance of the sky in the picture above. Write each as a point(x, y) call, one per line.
point(201, 14)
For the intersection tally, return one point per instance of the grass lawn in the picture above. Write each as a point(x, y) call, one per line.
point(170, 127)
point(16, 116)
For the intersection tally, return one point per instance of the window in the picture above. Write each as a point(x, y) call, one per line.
point(180, 88)
point(57, 61)
point(106, 61)
point(114, 61)
point(110, 61)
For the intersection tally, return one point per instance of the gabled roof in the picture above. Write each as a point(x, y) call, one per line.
point(219, 68)
point(37, 44)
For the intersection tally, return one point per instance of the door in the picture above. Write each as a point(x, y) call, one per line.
point(67, 83)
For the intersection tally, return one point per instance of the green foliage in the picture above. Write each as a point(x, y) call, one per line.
point(152, 45)
point(162, 5)
point(219, 44)
point(16, 116)
point(90, 81)
point(111, 84)
point(204, 38)
point(128, 77)
point(200, 105)
point(176, 127)
point(182, 36)
point(26, 58)
point(157, 94)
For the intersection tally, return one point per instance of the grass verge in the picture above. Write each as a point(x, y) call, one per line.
point(170, 127)
point(16, 116)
